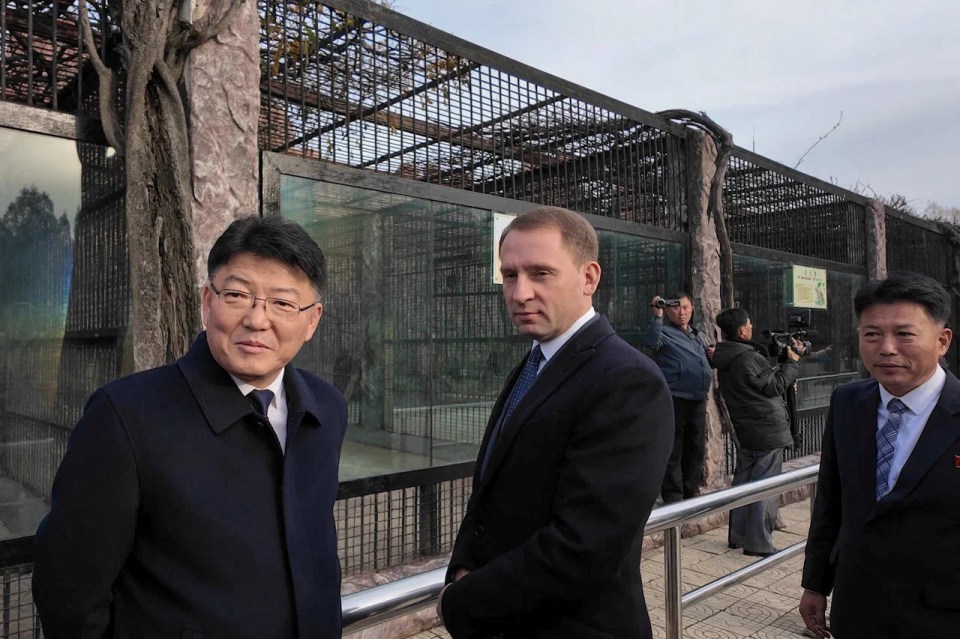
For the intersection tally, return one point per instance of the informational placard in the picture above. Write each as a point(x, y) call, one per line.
point(500, 222)
point(805, 287)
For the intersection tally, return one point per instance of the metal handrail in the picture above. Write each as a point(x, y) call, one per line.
point(382, 603)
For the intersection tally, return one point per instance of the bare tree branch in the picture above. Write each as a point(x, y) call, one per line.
point(109, 119)
point(822, 138)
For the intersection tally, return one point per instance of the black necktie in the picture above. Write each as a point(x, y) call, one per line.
point(260, 399)
point(527, 376)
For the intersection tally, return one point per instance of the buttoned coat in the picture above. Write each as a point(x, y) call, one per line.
point(894, 565)
point(553, 530)
point(175, 513)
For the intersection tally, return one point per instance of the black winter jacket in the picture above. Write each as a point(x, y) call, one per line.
point(753, 389)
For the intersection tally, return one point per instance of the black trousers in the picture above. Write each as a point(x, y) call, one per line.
point(751, 526)
point(682, 479)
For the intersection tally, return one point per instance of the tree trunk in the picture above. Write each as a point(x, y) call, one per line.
point(155, 143)
point(159, 227)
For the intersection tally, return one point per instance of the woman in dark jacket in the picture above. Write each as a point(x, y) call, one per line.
point(753, 390)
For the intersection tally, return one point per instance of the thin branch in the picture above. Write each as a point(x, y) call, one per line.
point(109, 119)
point(822, 138)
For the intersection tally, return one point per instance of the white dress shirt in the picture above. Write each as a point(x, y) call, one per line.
point(920, 403)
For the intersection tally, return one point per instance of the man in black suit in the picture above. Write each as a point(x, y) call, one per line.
point(571, 461)
point(885, 532)
point(183, 508)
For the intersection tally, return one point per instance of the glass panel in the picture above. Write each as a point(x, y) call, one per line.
point(834, 358)
point(63, 306)
point(414, 331)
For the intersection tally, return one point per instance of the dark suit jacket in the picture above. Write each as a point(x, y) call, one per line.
point(893, 565)
point(174, 513)
point(552, 534)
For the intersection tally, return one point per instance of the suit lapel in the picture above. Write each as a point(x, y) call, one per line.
point(940, 431)
point(864, 445)
point(571, 356)
point(494, 418)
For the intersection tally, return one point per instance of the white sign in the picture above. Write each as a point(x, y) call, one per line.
point(500, 222)
point(806, 287)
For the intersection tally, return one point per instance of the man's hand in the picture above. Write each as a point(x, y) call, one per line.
point(794, 349)
point(813, 611)
point(656, 310)
point(458, 574)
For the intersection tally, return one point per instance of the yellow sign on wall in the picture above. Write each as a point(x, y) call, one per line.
point(805, 287)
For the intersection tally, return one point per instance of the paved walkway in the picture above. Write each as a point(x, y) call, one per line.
point(764, 607)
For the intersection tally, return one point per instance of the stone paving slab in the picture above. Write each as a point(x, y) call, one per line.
point(764, 607)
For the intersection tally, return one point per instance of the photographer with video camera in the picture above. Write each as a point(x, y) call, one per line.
point(754, 390)
point(683, 356)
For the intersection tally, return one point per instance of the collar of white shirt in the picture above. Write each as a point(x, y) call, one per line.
point(920, 398)
point(277, 411)
point(551, 348)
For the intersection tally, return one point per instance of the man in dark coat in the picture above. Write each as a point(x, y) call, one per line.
point(885, 531)
point(183, 508)
point(753, 389)
point(571, 461)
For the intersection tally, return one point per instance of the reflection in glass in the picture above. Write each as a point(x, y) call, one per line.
point(414, 331)
point(53, 199)
point(759, 290)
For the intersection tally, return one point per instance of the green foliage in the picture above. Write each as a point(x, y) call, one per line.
point(30, 216)
point(36, 254)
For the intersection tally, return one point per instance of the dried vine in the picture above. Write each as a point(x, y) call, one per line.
point(151, 132)
point(724, 140)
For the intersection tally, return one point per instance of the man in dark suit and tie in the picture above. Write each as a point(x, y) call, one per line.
point(183, 508)
point(885, 531)
point(571, 461)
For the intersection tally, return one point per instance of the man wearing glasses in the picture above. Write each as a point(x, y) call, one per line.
point(196, 499)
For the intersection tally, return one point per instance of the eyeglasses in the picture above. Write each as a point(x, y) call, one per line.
point(241, 300)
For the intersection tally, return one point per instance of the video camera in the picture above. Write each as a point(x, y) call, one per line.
point(798, 328)
point(662, 302)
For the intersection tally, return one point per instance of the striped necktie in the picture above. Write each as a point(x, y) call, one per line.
point(887, 444)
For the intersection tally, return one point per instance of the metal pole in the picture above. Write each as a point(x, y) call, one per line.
point(672, 590)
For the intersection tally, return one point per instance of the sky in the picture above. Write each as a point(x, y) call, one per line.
point(777, 75)
point(51, 164)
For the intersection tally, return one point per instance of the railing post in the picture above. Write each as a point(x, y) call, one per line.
point(672, 588)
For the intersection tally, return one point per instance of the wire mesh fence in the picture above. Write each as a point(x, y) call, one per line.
point(771, 206)
point(378, 94)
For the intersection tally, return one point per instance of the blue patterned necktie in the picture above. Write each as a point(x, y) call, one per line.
point(527, 376)
point(887, 444)
point(260, 399)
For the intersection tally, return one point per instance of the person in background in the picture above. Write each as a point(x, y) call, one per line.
point(571, 460)
point(196, 499)
point(683, 355)
point(885, 530)
point(754, 391)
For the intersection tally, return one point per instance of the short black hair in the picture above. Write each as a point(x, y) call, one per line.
point(906, 287)
point(679, 295)
point(730, 320)
point(275, 238)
